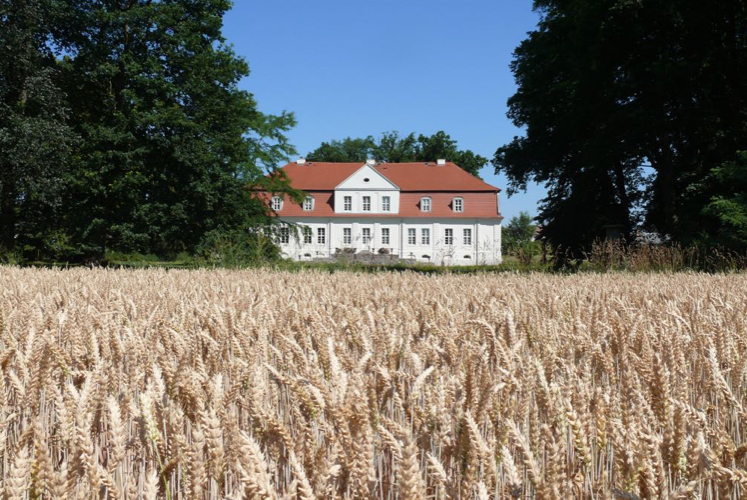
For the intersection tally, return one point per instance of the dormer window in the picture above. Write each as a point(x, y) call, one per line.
point(277, 203)
point(308, 204)
point(425, 204)
point(458, 205)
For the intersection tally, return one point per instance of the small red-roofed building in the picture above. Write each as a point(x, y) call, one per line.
point(425, 211)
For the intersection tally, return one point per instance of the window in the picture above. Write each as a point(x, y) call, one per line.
point(347, 236)
point(284, 235)
point(308, 203)
point(347, 203)
point(449, 236)
point(458, 205)
point(425, 204)
point(321, 235)
point(425, 236)
point(385, 236)
point(366, 238)
point(366, 203)
point(411, 237)
point(386, 203)
point(307, 235)
point(467, 236)
point(277, 203)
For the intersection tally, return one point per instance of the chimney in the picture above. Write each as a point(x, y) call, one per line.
point(440, 162)
point(371, 162)
point(301, 161)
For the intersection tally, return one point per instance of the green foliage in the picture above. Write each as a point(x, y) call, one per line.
point(35, 139)
point(730, 208)
point(518, 239)
point(608, 87)
point(170, 143)
point(239, 248)
point(519, 230)
point(134, 135)
point(393, 148)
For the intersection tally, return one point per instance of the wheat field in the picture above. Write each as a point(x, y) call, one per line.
point(267, 384)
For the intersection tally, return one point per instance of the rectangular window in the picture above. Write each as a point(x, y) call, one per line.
point(277, 203)
point(321, 235)
point(366, 238)
point(307, 235)
point(385, 236)
point(347, 236)
point(347, 204)
point(411, 237)
point(366, 203)
point(308, 203)
point(425, 204)
point(425, 236)
point(467, 236)
point(284, 235)
point(458, 205)
point(449, 236)
point(386, 203)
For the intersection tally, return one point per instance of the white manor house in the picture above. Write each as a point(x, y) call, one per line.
point(428, 211)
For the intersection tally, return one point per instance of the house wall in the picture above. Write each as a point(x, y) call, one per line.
point(485, 247)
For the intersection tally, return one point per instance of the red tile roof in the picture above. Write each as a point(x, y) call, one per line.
point(480, 205)
point(319, 176)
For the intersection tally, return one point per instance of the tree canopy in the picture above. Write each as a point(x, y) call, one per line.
point(166, 142)
point(393, 148)
point(634, 115)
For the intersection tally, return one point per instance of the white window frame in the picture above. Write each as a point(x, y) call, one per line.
point(284, 236)
point(426, 204)
point(277, 203)
point(366, 237)
point(386, 203)
point(425, 236)
point(384, 235)
point(366, 204)
point(467, 236)
point(347, 203)
point(347, 235)
point(448, 236)
point(308, 235)
point(458, 205)
point(412, 236)
point(321, 235)
point(308, 204)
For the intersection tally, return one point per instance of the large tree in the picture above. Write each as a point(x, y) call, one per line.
point(607, 88)
point(34, 137)
point(169, 141)
point(394, 148)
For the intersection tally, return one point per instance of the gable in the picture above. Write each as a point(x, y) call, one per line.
point(367, 178)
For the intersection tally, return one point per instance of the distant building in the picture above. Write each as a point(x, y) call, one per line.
point(430, 212)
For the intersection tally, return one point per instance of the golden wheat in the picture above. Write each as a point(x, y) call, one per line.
point(276, 385)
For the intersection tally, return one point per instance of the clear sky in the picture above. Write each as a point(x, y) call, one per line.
point(357, 68)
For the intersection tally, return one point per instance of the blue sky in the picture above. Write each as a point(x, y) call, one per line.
point(357, 68)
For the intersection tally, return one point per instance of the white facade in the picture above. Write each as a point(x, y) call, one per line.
point(365, 216)
point(366, 192)
point(472, 241)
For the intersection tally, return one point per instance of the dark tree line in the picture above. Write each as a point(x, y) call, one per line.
point(635, 115)
point(391, 147)
point(122, 128)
